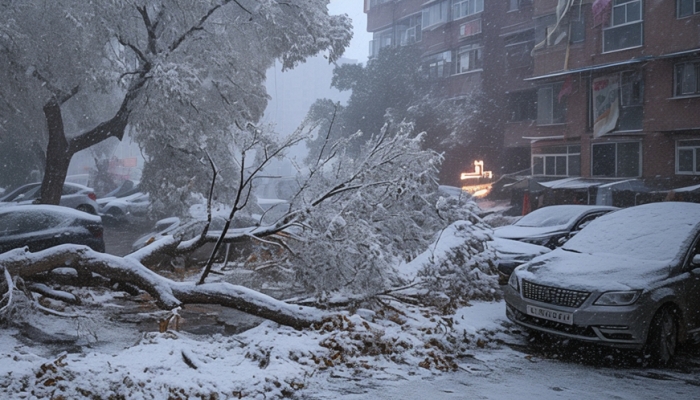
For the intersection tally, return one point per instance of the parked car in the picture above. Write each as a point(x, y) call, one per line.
point(124, 203)
point(631, 279)
point(550, 226)
point(73, 195)
point(39, 227)
point(511, 254)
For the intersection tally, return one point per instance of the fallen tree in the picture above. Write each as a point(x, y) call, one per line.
point(350, 229)
point(167, 293)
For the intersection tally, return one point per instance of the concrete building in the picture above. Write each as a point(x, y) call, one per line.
point(581, 88)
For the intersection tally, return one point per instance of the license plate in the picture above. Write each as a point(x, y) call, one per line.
point(551, 315)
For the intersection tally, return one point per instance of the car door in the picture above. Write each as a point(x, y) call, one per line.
point(691, 289)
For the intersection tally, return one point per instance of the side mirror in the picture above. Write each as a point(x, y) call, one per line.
point(695, 262)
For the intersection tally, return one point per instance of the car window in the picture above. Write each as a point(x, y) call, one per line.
point(68, 189)
point(587, 220)
point(545, 217)
point(31, 194)
point(18, 223)
point(20, 191)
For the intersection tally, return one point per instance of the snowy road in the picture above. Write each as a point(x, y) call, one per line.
point(516, 370)
point(510, 374)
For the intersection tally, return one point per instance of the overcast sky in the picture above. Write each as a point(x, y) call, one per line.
point(359, 47)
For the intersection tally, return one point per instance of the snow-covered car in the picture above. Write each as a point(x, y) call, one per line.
point(124, 209)
point(631, 279)
point(511, 254)
point(124, 203)
point(39, 227)
point(549, 226)
point(73, 196)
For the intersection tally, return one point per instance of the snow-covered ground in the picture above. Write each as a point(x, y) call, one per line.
point(350, 358)
point(111, 347)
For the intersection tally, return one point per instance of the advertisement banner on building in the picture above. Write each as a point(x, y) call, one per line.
point(606, 104)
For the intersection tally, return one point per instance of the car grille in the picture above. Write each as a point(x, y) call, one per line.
point(583, 331)
point(554, 295)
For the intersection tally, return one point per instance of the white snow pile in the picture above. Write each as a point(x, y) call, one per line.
point(268, 361)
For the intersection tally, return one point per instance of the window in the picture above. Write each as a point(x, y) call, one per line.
point(688, 7)
point(435, 14)
point(410, 30)
point(578, 30)
point(463, 8)
point(518, 4)
point(470, 28)
point(625, 29)
point(379, 41)
point(616, 159)
point(438, 65)
point(523, 105)
point(518, 51)
point(688, 157)
point(549, 109)
point(468, 59)
point(557, 161)
point(687, 79)
point(631, 101)
point(629, 89)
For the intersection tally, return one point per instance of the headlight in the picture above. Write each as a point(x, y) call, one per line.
point(617, 298)
point(513, 282)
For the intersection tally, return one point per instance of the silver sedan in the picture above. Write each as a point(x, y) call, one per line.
point(631, 279)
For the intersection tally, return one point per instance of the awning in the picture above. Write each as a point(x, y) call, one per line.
point(694, 188)
point(534, 139)
point(574, 183)
point(680, 53)
point(590, 68)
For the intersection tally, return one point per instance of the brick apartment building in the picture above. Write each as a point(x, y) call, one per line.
point(573, 88)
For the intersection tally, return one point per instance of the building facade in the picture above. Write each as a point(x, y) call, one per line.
point(580, 88)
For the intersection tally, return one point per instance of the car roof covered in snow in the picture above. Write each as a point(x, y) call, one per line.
point(65, 211)
point(656, 231)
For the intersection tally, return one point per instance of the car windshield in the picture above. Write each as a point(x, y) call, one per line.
point(653, 232)
point(549, 216)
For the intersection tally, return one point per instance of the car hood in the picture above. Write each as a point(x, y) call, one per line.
point(594, 272)
point(520, 232)
point(512, 250)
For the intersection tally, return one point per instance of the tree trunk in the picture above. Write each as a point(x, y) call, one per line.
point(60, 150)
point(166, 293)
point(58, 155)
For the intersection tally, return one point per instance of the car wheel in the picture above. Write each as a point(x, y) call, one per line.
point(86, 208)
point(663, 337)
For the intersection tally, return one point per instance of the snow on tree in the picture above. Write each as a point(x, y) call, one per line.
point(185, 74)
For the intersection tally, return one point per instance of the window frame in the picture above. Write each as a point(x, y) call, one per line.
point(475, 22)
point(412, 22)
point(558, 111)
point(443, 8)
point(694, 4)
point(623, 26)
point(573, 151)
point(677, 83)
point(515, 5)
point(472, 49)
point(473, 7)
point(689, 145)
point(617, 158)
point(441, 62)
